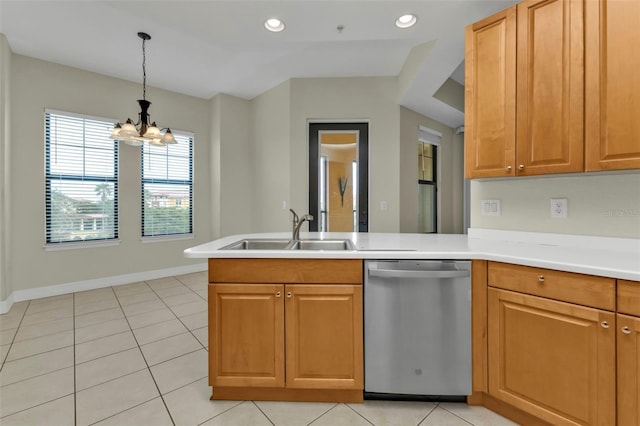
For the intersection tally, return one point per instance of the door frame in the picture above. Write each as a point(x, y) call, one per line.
point(314, 128)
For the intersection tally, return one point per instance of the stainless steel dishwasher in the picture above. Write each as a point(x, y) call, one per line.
point(417, 328)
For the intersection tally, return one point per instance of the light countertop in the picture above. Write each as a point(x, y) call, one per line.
point(601, 256)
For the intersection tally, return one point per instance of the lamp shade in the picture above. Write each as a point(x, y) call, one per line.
point(128, 131)
point(152, 132)
point(168, 138)
point(116, 131)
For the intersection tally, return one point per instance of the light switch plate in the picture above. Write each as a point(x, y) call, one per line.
point(491, 208)
point(559, 208)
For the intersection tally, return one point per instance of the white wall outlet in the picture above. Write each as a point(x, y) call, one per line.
point(491, 208)
point(383, 205)
point(559, 208)
point(284, 205)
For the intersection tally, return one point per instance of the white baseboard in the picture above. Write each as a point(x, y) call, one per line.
point(5, 305)
point(58, 289)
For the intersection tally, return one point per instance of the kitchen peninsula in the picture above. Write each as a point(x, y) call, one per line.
point(529, 291)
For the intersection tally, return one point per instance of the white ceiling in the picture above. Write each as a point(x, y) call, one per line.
point(205, 47)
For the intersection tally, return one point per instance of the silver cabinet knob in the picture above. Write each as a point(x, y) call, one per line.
point(289, 294)
point(541, 278)
point(509, 168)
point(278, 294)
point(626, 330)
point(521, 167)
point(604, 324)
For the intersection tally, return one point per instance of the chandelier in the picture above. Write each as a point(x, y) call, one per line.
point(139, 133)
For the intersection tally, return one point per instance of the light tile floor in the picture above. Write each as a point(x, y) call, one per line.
point(136, 354)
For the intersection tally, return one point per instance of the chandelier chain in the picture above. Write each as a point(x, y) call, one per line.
point(144, 70)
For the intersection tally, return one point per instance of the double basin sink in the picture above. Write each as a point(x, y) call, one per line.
point(274, 244)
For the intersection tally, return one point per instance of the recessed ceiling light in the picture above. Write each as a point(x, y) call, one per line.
point(406, 21)
point(274, 24)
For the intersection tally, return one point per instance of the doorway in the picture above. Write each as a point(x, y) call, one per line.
point(427, 188)
point(339, 177)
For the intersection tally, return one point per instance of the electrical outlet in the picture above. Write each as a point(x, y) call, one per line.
point(491, 208)
point(383, 205)
point(559, 208)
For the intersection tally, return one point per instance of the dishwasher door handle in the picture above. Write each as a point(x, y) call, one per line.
point(395, 273)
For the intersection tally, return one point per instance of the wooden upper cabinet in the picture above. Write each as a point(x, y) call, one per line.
point(612, 42)
point(490, 96)
point(550, 93)
point(324, 337)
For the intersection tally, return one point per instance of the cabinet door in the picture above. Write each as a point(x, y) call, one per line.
point(550, 89)
point(324, 336)
point(628, 370)
point(247, 335)
point(552, 359)
point(612, 84)
point(490, 93)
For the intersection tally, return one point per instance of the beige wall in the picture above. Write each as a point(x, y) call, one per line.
point(449, 177)
point(5, 169)
point(271, 162)
point(371, 99)
point(36, 85)
point(599, 204)
point(234, 163)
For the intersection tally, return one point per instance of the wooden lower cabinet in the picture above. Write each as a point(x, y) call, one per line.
point(554, 360)
point(628, 328)
point(247, 335)
point(285, 341)
point(324, 337)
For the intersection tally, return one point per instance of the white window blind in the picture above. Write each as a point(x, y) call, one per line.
point(167, 187)
point(81, 172)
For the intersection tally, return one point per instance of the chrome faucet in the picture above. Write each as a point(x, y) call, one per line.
point(297, 223)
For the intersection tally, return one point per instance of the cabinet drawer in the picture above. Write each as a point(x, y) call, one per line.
point(629, 297)
point(284, 271)
point(587, 290)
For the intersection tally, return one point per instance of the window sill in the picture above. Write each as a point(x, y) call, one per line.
point(165, 238)
point(72, 245)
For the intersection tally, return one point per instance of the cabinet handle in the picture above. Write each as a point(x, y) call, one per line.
point(509, 168)
point(278, 294)
point(541, 278)
point(521, 167)
point(626, 330)
point(289, 294)
point(604, 324)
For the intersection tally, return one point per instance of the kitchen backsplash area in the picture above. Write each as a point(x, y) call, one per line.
point(596, 204)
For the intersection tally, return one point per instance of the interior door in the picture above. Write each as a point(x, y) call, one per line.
point(339, 177)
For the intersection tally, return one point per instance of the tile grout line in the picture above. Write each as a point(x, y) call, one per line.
point(334, 406)
point(14, 336)
point(180, 319)
point(30, 408)
point(368, 421)
point(436, 405)
point(217, 415)
point(145, 359)
point(263, 413)
point(461, 418)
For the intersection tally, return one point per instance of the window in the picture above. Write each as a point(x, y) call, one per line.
point(81, 172)
point(167, 187)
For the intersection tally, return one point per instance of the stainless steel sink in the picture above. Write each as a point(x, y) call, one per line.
point(323, 245)
point(258, 244)
point(274, 244)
